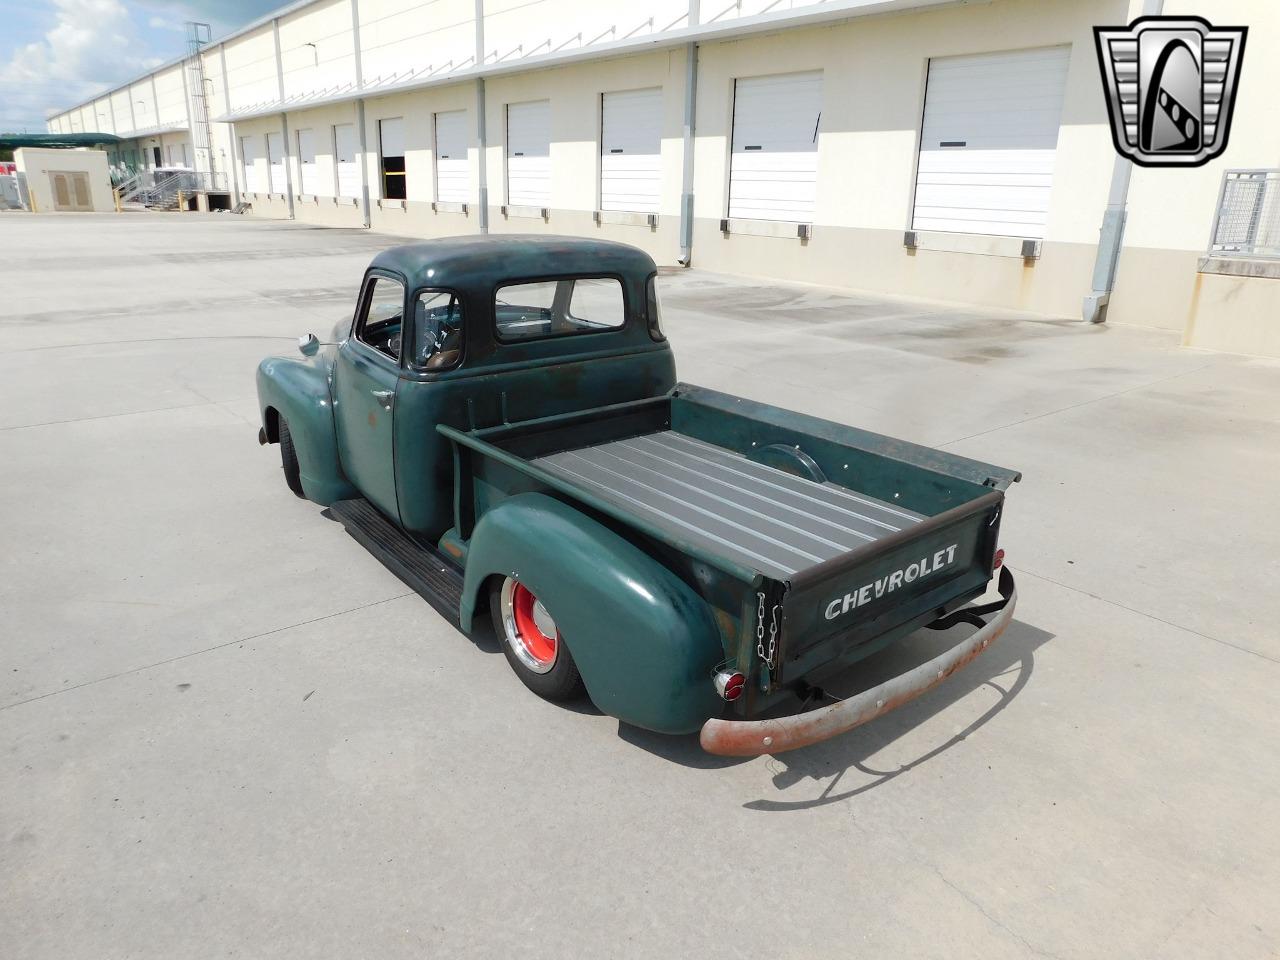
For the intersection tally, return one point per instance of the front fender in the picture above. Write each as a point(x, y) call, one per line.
point(645, 642)
point(297, 390)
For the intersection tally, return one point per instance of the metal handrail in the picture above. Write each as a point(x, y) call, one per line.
point(161, 186)
point(1246, 221)
point(150, 188)
point(128, 184)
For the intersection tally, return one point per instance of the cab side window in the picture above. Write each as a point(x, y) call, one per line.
point(382, 321)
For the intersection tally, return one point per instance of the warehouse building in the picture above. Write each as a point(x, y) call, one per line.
point(959, 151)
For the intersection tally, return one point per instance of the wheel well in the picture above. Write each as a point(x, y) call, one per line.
point(482, 595)
point(271, 420)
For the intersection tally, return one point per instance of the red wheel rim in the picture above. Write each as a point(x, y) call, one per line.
point(539, 645)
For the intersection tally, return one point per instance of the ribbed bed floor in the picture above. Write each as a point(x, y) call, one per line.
point(755, 515)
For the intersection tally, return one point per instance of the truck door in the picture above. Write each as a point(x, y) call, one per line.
point(366, 374)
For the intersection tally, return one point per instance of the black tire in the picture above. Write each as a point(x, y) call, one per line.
point(561, 682)
point(289, 459)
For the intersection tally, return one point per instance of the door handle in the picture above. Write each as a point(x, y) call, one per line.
point(384, 397)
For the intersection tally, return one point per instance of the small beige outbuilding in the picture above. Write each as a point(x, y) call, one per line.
point(70, 180)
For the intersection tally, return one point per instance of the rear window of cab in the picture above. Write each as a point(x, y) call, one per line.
point(538, 309)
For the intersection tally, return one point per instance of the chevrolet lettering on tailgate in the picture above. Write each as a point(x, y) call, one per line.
point(923, 567)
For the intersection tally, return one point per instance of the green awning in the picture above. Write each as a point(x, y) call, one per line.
point(15, 141)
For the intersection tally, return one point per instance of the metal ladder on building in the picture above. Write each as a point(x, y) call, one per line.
point(198, 34)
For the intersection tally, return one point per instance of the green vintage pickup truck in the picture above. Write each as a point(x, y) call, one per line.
point(501, 425)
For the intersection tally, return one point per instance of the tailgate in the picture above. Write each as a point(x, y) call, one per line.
point(910, 578)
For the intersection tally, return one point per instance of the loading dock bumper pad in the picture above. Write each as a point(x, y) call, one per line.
point(749, 738)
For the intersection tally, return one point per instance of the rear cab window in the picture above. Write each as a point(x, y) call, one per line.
point(556, 308)
point(437, 330)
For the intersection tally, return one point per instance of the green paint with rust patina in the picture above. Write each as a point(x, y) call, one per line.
point(961, 498)
point(494, 382)
point(297, 389)
point(644, 641)
point(649, 615)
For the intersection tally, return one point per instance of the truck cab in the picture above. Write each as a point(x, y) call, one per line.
point(470, 332)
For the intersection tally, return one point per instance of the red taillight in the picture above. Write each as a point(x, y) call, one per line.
point(995, 564)
point(730, 685)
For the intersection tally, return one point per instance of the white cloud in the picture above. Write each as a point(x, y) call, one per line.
point(93, 44)
point(222, 15)
point(96, 44)
point(160, 23)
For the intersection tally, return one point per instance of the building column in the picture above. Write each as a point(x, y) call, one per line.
point(1111, 233)
point(284, 121)
point(191, 129)
point(288, 162)
point(237, 168)
point(482, 150)
point(482, 133)
point(687, 146)
point(364, 161)
point(155, 102)
point(359, 69)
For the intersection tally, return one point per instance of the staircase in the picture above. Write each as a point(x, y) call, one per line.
point(158, 189)
point(157, 192)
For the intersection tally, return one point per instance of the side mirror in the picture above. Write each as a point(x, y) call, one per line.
point(309, 345)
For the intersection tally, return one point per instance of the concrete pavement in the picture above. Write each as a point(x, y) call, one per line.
point(225, 730)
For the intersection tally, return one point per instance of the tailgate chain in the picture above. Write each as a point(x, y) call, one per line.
point(768, 656)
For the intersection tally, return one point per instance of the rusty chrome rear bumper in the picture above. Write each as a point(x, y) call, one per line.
point(749, 738)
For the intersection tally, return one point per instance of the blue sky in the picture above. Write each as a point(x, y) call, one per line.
point(55, 53)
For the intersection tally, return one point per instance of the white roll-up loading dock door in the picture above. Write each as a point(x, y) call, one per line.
point(452, 176)
point(275, 163)
point(248, 158)
point(630, 150)
point(988, 142)
point(344, 151)
point(308, 172)
point(529, 154)
point(773, 171)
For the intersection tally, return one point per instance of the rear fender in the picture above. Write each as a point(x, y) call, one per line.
point(645, 643)
point(297, 390)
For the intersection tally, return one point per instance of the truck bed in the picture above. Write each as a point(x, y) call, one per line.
point(754, 514)
point(849, 539)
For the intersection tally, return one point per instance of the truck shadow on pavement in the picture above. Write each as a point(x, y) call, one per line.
point(843, 762)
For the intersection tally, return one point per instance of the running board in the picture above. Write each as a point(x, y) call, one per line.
point(432, 575)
